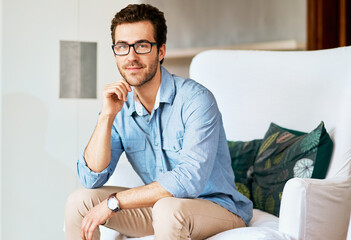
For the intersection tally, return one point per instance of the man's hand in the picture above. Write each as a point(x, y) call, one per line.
point(113, 97)
point(96, 216)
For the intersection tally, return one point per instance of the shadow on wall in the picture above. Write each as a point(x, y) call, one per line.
point(35, 184)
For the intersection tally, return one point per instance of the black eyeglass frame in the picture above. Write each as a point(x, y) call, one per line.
point(133, 45)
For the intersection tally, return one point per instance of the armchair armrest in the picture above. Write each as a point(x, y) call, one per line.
point(316, 208)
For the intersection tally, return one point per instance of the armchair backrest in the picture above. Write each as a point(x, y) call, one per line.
point(294, 89)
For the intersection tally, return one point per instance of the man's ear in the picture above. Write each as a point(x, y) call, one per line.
point(162, 52)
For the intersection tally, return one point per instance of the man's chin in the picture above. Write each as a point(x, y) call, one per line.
point(137, 79)
point(134, 82)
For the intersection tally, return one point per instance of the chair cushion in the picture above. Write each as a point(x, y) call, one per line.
point(243, 155)
point(285, 154)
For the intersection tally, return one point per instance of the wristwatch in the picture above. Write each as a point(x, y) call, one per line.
point(112, 203)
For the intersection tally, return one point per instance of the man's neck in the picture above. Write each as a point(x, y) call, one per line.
point(147, 92)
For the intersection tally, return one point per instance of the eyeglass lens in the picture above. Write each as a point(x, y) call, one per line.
point(123, 48)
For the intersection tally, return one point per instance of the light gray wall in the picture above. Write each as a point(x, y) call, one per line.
point(209, 23)
point(1, 168)
point(199, 23)
point(37, 178)
point(43, 135)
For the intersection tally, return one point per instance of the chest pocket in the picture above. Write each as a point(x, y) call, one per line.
point(173, 145)
point(135, 151)
point(134, 145)
point(172, 149)
point(172, 138)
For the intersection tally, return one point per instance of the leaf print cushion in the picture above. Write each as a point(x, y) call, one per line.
point(284, 154)
point(243, 155)
point(303, 168)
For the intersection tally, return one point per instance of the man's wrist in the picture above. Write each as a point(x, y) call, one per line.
point(113, 203)
point(106, 119)
point(107, 116)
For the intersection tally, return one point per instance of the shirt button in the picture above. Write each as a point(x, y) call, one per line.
point(156, 143)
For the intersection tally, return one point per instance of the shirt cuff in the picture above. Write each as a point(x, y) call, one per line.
point(171, 184)
point(89, 178)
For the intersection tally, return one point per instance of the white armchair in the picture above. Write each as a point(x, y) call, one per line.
point(296, 90)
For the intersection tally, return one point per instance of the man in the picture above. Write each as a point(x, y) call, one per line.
point(173, 136)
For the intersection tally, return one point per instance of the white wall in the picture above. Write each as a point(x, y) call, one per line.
point(43, 135)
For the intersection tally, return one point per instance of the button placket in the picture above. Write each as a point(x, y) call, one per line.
point(157, 142)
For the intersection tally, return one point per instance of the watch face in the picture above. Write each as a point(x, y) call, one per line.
point(112, 203)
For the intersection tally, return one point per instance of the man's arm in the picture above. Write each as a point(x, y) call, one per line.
point(98, 151)
point(202, 123)
point(144, 196)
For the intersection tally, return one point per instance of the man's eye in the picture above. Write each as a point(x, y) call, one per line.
point(121, 47)
point(143, 45)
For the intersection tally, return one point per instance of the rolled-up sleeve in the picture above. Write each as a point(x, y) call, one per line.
point(200, 142)
point(91, 179)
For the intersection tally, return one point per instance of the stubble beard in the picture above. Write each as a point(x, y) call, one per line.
point(137, 80)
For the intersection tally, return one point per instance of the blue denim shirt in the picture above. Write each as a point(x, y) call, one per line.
point(181, 145)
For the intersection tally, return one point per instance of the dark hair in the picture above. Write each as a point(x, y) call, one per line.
point(142, 12)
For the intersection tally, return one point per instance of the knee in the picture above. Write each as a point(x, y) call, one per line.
point(169, 209)
point(171, 218)
point(76, 198)
point(79, 202)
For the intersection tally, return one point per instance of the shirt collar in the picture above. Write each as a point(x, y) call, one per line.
point(167, 87)
point(140, 110)
point(165, 94)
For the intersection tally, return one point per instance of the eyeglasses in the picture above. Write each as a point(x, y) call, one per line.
point(121, 49)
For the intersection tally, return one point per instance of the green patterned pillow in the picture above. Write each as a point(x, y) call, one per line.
point(243, 155)
point(285, 154)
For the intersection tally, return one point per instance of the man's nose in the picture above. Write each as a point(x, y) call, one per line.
point(132, 54)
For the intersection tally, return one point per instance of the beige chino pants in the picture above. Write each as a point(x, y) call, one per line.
point(170, 218)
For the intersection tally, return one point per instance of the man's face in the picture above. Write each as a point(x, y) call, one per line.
point(138, 69)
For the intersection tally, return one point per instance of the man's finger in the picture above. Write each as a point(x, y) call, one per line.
point(127, 85)
point(82, 229)
point(119, 89)
point(90, 231)
point(86, 224)
point(120, 82)
point(123, 91)
point(113, 91)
